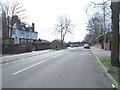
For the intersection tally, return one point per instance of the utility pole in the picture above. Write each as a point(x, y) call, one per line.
point(115, 34)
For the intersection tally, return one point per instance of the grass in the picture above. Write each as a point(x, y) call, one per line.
point(114, 71)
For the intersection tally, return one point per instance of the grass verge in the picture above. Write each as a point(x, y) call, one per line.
point(114, 71)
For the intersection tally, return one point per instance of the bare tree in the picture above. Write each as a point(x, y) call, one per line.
point(105, 7)
point(12, 9)
point(95, 24)
point(95, 27)
point(64, 26)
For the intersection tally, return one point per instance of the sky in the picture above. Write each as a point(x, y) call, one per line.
point(44, 13)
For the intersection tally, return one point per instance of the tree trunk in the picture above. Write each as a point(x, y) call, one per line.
point(115, 34)
point(102, 45)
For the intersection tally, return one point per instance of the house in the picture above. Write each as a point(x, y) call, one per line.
point(22, 34)
point(17, 38)
point(19, 33)
point(56, 44)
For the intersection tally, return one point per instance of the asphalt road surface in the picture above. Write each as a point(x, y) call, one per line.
point(69, 68)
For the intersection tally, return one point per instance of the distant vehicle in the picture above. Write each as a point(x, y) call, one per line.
point(86, 46)
point(74, 45)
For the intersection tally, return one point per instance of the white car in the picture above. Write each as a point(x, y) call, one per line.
point(86, 46)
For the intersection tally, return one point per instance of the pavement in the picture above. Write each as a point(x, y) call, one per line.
point(100, 54)
point(12, 57)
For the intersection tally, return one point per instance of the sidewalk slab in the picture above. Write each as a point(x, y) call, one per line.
point(8, 58)
point(101, 53)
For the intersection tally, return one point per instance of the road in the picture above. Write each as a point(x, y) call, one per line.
point(69, 68)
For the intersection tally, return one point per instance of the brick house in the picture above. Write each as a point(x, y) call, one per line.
point(56, 44)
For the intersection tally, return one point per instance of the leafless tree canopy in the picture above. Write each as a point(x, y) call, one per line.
point(99, 7)
point(100, 20)
point(64, 26)
point(95, 24)
point(13, 12)
point(12, 8)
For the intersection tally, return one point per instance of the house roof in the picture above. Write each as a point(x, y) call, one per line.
point(29, 28)
point(20, 26)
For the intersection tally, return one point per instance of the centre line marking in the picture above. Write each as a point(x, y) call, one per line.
point(28, 67)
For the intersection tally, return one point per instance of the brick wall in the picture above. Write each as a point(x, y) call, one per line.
point(14, 49)
point(108, 47)
point(42, 46)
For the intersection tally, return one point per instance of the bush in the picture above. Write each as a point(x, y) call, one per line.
point(100, 38)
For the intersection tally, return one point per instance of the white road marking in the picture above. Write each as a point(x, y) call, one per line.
point(28, 67)
point(113, 85)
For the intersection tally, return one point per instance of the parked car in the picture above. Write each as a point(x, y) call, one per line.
point(74, 45)
point(86, 46)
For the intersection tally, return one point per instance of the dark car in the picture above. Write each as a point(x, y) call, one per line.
point(86, 46)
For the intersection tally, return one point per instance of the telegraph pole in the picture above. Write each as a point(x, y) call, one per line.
point(115, 34)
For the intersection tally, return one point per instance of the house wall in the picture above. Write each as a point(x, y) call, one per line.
point(27, 36)
point(55, 45)
point(108, 47)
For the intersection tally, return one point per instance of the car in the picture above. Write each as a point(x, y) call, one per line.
point(74, 45)
point(86, 46)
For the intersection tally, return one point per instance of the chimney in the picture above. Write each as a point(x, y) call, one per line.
point(33, 27)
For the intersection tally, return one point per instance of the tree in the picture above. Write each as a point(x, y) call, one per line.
point(95, 26)
point(100, 39)
point(12, 10)
point(115, 34)
point(106, 15)
point(64, 26)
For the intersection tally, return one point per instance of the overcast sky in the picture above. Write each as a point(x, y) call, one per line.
point(44, 13)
